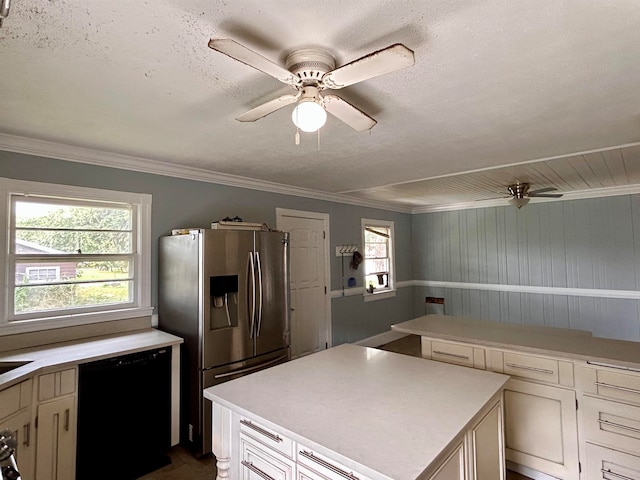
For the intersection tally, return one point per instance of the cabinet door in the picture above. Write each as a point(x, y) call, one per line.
point(453, 467)
point(55, 450)
point(20, 426)
point(487, 453)
point(541, 428)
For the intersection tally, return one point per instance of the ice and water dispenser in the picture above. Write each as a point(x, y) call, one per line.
point(224, 301)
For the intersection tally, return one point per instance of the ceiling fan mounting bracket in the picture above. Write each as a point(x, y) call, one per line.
point(310, 65)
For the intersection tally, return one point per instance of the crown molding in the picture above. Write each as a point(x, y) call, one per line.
point(72, 153)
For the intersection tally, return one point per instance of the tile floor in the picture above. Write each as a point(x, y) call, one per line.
point(186, 467)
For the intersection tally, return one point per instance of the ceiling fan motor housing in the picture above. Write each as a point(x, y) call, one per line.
point(519, 190)
point(310, 64)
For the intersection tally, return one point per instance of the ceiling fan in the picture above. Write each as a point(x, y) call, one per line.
point(521, 194)
point(311, 72)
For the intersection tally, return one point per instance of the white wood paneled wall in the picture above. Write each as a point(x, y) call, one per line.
point(591, 247)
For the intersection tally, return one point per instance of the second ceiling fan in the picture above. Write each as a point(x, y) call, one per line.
point(310, 72)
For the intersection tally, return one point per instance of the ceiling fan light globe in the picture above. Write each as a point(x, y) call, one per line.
point(309, 116)
point(519, 201)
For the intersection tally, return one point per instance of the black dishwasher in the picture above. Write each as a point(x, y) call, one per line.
point(124, 416)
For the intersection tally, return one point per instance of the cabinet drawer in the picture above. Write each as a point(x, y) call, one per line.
point(259, 463)
point(611, 423)
point(619, 386)
point(267, 437)
point(606, 464)
point(456, 353)
point(56, 384)
point(528, 366)
point(15, 398)
point(326, 467)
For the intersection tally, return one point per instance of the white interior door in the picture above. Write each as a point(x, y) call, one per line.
point(310, 320)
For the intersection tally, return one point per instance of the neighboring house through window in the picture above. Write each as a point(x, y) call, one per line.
point(379, 275)
point(75, 255)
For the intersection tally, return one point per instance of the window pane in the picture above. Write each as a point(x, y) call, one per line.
point(55, 242)
point(60, 297)
point(376, 265)
point(81, 217)
point(378, 281)
point(376, 250)
point(73, 270)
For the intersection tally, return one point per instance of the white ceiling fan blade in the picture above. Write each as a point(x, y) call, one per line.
point(242, 54)
point(390, 59)
point(267, 108)
point(342, 110)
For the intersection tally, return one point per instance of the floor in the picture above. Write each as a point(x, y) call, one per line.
point(186, 467)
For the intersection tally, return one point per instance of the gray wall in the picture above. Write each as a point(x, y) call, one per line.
point(588, 244)
point(187, 203)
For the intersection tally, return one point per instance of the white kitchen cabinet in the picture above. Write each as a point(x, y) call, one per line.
point(453, 467)
point(541, 428)
point(55, 442)
point(20, 427)
point(15, 416)
point(607, 464)
point(55, 457)
point(456, 353)
point(487, 453)
point(262, 463)
point(610, 419)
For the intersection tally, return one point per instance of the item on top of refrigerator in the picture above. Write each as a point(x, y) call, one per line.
point(234, 225)
point(184, 231)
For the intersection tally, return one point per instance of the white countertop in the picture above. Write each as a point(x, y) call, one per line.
point(389, 412)
point(560, 342)
point(58, 355)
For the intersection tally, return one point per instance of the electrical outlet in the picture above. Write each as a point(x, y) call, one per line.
point(438, 300)
point(190, 433)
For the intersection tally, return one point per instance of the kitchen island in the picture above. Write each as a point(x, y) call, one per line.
point(360, 413)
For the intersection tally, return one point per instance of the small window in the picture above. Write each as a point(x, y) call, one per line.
point(70, 256)
point(378, 258)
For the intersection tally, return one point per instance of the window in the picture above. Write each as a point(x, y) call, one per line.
point(39, 274)
point(74, 255)
point(377, 238)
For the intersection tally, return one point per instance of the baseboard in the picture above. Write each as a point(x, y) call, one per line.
point(528, 472)
point(381, 339)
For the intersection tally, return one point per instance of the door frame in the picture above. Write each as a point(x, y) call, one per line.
point(285, 212)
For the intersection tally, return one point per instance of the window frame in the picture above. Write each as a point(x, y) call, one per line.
point(387, 292)
point(141, 257)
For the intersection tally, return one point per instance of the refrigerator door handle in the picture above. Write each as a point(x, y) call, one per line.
point(251, 293)
point(259, 283)
point(251, 369)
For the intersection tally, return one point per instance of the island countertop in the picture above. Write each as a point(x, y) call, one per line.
point(560, 342)
point(386, 415)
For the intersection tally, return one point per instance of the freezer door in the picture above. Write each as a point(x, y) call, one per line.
point(219, 375)
point(227, 296)
point(272, 326)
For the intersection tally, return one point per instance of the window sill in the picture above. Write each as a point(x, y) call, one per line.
point(370, 297)
point(49, 323)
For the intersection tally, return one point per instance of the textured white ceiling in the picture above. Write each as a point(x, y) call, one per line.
point(496, 82)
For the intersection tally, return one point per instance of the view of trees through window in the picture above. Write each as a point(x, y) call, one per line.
point(87, 246)
point(376, 257)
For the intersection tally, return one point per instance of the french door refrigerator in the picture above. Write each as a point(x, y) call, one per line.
point(226, 292)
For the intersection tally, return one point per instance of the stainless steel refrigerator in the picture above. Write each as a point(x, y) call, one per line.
point(226, 292)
